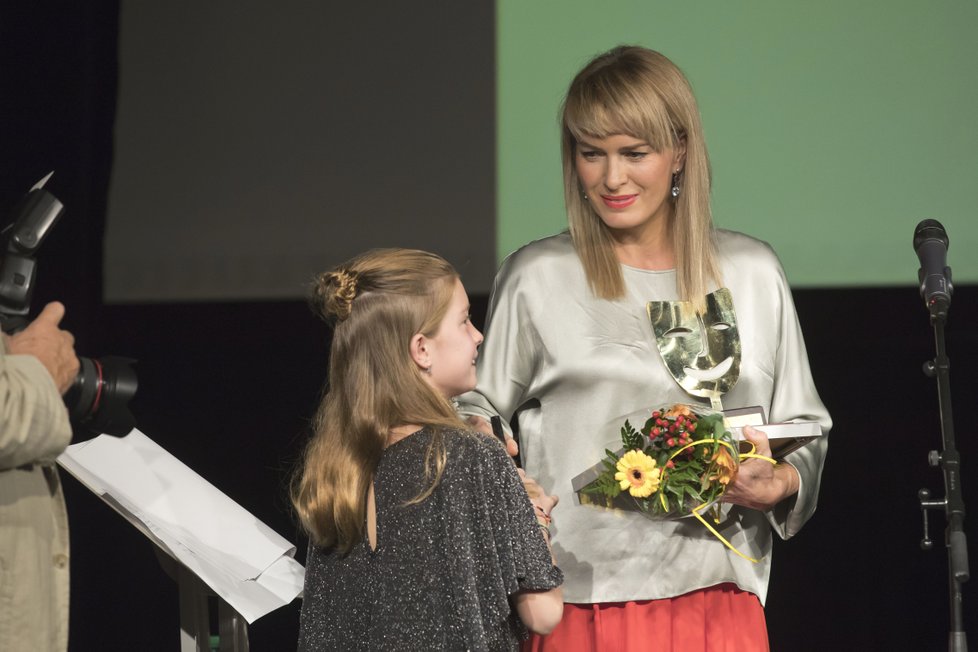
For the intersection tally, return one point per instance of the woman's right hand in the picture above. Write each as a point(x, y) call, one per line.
point(543, 503)
point(536, 493)
point(482, 425)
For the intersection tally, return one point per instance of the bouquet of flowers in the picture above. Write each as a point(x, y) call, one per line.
point(681, 460)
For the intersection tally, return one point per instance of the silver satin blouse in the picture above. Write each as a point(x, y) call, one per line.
point(568, 365)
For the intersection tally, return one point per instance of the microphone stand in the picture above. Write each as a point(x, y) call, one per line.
point(950, 462)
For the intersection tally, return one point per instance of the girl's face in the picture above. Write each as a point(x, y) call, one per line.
point(627, 183)
point(453, 349)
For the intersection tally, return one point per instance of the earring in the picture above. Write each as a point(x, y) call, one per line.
point(585, 197)
point(675, 184)
point(427, 369)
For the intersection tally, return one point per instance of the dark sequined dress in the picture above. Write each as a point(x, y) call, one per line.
point(443, 570)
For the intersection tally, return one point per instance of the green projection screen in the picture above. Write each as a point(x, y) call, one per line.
point(833, 127)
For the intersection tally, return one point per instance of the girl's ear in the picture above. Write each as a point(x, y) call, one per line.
point(419, 351)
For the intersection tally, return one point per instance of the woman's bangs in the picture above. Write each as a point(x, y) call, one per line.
point(602, 112)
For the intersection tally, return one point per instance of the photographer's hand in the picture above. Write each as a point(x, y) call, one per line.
point(54, 347)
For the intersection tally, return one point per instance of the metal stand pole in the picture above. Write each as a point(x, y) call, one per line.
point(953, 504)
point(195, 612)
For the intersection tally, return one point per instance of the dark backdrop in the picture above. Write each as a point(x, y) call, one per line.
point(228, 388)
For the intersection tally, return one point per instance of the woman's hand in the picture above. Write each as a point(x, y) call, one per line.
point(759, 484)
point(481, 425)
point(537, 495)
point(543, 504)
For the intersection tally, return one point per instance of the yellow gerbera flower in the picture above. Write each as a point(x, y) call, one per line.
point(637, 473)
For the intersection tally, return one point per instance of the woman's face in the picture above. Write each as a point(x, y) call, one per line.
point(627, 182)
point(453, 349)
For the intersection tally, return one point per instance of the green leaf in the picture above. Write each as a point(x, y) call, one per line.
point(695, 494)
point(603, 486)
point(631, 438)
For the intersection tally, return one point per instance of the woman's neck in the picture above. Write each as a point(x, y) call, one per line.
point(649, 247)
point(655, 255)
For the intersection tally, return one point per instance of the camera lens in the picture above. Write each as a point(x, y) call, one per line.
point(98, 400)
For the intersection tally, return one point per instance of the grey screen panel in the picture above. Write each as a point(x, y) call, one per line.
point(257, 144)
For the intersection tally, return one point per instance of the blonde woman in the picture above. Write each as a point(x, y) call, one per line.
point(569, 348)
point(423, 537)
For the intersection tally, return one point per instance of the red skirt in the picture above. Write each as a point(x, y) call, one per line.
point(720, 618)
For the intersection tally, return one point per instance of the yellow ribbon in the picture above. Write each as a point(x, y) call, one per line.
point(696, 510)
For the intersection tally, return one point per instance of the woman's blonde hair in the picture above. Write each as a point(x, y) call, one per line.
point(376, 302)
point(639, 92)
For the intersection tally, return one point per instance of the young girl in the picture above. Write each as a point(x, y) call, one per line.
point(423, 537)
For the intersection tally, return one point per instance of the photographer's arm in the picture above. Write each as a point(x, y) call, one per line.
point(53, 347)
point(37, 364)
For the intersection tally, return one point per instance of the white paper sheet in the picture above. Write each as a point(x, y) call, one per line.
point(240, 558)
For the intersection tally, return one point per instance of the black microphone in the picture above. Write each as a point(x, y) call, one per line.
point(930, 242)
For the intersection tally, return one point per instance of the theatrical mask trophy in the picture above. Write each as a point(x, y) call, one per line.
point(701, 351)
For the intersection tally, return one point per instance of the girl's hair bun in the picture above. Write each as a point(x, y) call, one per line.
point(334, 293)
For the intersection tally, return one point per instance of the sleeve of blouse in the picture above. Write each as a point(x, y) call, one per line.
point(496, 546)
point(531, 556)
point(796, 399)
point(507, 357)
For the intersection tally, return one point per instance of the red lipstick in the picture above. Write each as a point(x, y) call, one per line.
point(618, 201)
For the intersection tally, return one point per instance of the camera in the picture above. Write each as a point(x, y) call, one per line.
point(98, 399)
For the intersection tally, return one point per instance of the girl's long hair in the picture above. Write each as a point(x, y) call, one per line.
point(377, 302)
point(639, 92)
